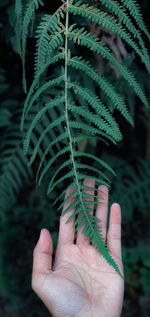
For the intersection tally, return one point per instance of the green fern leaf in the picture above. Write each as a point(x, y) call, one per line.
point(55, 59)
point(45, 41)
point(134, 10)
point(120, 11)
point(43, 88)
point(84, 38)
point(91, 117)
point(80, 154)
point(79, 166)
point(104, 84)
point(132, 188)
point(30, 9)
point(13, 167)
point(98, 106)
point(85, 127)
point(47, 166)
point(73, 194)
point(59, 138)
point(49, 106)
point(94, 231)
point(109, 23)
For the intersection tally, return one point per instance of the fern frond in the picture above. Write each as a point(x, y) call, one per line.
point(44, 87)
point(111, 24)
point(132, 188)
point(42, 137)
point(99, 107)
point(92, 118)
point(47, 166)
point(85, 127)
point(120, 11)
point(82, 137)
point(50, 45)
point(48, 37)
point(79, 166)
point(30, 9)
point(13, 167)
point(49, 106)
point(103, 180)
point(91, 229)
point(63, 136)
point(72, 194)
point(95, 102)
point(104, 84)
point(54, 60)
point(135, 11)
point(82, 37)
point(97, 160)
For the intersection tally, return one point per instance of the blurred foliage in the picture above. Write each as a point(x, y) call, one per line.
point(135, 258)
point(22, 217)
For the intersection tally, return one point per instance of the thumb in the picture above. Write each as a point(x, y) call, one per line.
point(42, 260)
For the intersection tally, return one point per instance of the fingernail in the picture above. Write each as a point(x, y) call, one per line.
point(40, 237)
point(104, 189)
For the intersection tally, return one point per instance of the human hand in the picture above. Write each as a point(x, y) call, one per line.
point(81, 282)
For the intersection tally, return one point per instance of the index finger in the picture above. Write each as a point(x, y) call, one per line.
point(67, 231)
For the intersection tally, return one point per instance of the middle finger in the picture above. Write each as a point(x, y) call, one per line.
point(81, 238)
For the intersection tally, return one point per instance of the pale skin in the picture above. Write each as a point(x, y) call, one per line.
point(81, 282)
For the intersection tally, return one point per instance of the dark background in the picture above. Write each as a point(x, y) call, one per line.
point(21, 223)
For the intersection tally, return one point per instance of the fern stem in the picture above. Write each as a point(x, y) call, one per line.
point(66, 113)
point(66, 97)
point(67, 120)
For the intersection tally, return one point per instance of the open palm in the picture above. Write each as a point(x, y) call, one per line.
point(81, 282)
